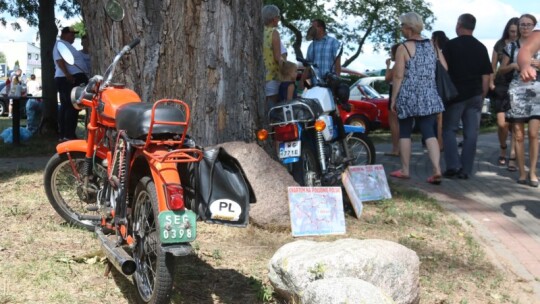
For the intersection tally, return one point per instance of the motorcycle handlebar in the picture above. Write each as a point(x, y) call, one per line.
point(134, 43)
point(110, 71)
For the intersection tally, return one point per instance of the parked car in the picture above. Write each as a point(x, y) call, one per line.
point(378, 83)
point(369, 108)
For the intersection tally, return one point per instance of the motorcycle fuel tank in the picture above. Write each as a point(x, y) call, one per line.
point(114, 97)
point(324, 97)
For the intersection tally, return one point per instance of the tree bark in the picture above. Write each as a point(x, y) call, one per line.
point(47, 35)
point(207, 53)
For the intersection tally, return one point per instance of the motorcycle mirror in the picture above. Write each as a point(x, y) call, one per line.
point(65, 53)
point(114, 10)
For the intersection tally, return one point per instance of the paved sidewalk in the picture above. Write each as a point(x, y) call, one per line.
point(505, 214)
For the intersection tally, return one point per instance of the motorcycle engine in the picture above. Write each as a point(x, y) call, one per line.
point(336, 155)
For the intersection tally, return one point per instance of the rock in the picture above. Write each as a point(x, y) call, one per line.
point(269, 180)
point(344, 290)
point(390, 266)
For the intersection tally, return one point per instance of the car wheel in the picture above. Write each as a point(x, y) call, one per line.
point(359, 120)
point(3, 108)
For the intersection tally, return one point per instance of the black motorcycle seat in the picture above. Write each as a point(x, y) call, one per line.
point(135, 119)
point(299, 108)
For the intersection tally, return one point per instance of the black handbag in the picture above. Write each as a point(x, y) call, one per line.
point(445, 87)
point(217, 188)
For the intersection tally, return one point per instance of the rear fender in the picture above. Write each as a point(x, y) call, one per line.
point(163, 173)
point(78, 145)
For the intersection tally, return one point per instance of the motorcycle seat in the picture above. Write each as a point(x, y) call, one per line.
point(135, 119)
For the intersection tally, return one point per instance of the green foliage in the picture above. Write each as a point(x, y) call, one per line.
point(352, 22)
point(28, 9)
point(79, 27)
point(3, 58)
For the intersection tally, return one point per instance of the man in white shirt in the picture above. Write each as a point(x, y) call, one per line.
point(67, 77)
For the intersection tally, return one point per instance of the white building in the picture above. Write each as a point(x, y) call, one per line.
point(26, 53)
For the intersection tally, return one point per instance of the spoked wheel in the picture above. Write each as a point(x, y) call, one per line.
point(306, 171)
point(361, 148)
point(155, 268)
point(67, 192)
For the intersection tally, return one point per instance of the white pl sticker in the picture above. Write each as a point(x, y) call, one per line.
point(225, 209)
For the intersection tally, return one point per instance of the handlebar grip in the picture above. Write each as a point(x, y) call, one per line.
point(134, 43)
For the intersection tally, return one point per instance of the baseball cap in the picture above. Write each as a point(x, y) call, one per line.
point(69, 29)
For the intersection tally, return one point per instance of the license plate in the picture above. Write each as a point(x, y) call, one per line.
point(177, 226)
point(289, 149)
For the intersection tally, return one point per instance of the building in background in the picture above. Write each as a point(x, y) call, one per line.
point(27, 54)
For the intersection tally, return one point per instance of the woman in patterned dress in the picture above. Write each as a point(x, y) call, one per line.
point(414, 94)
point(525, 104)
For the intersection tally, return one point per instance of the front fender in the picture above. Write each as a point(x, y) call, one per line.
point(77, 145)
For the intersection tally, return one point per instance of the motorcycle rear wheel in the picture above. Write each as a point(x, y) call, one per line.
point(306, 170)
point(361, 148)
point(155, 268)
point(65, 191)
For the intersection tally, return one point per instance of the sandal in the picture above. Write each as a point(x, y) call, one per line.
point(399, 174)
point(512, 165)
point(501, 161)
point(434, 180)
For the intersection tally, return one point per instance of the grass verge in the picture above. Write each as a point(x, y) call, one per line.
point(43, 260)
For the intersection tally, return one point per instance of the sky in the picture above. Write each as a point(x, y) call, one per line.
point(491, 17)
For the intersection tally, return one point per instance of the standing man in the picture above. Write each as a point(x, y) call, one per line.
point(469, 67)
point(322, 51)
point(67, 77)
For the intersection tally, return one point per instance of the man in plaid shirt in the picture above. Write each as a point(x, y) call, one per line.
point(322, 51)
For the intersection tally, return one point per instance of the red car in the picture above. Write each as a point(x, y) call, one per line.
point(369, 108)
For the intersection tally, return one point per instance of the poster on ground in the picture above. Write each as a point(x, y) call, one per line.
point(365, 183)
point(316, 210)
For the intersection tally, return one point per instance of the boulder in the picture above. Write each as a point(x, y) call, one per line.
point(269, 180)
point(344, 290)
point(390, 266)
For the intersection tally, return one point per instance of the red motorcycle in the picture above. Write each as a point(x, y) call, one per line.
point(137, 182)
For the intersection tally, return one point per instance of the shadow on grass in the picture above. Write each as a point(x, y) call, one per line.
point(196, 281)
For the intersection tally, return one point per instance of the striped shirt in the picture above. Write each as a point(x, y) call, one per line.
point(323, 52)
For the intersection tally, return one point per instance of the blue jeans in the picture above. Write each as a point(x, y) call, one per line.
point(468, 111)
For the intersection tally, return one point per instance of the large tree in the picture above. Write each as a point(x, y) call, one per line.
point(207, 53)
point(352, 22)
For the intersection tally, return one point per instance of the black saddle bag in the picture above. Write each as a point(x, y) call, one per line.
point(218, 189)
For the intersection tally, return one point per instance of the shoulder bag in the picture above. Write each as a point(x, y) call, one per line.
point(445, 87)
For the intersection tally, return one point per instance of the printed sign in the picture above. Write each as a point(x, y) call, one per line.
point(316, 211)
point(365, 183)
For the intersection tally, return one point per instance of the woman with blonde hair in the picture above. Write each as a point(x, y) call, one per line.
point(414, 94)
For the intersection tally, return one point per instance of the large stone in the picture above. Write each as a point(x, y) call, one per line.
point(344, 290)
point(387, 265)
point(269, 180)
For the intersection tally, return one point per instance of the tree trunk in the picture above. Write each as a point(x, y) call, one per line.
point(207, 53)
point(47, 35)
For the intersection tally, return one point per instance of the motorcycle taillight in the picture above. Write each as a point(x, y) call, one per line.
point(175, 197)
point(288, 132)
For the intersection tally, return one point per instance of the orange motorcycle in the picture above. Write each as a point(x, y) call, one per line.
point(137, 182)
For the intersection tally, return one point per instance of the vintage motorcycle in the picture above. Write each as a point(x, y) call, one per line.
point(310, 136)
point(140, 182)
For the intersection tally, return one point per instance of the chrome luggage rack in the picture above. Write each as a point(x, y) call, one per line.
point(296, 110)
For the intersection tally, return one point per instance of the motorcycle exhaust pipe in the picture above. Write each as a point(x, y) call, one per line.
point(117, 256)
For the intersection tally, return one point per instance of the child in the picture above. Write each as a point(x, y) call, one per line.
point(287, 88)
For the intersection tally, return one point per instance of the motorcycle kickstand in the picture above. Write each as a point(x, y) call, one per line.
point(108, 269)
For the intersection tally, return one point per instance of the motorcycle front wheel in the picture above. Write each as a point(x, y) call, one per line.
point(66, 191)
point(361, 148)
point(155, 267)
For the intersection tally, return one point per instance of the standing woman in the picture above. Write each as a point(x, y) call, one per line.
point(525, 105)
point(392, 117)
point(499, 84)
point(439, 40)
point(414, 94)
point(271, 54)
